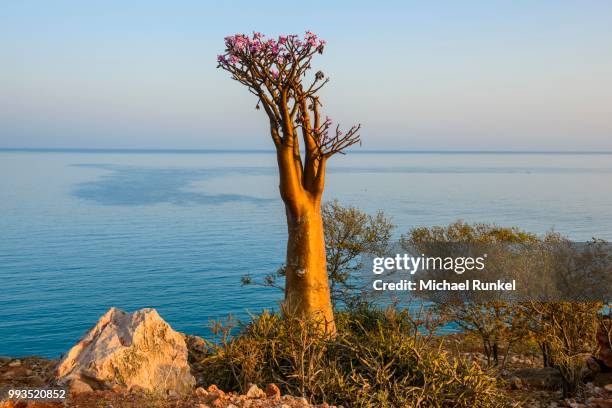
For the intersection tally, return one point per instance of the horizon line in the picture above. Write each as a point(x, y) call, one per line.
point(261, 151)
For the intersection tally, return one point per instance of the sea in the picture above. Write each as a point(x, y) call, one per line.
point(84, 230)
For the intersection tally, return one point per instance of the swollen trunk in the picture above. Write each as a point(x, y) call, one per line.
point(307, 287)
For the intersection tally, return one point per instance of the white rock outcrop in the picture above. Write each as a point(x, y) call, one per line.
point(129, 349)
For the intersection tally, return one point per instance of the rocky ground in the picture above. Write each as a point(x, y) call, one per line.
point(37, 372)
point(528, 385)
point(156, 368)
point(531, 385)
point(146, 356)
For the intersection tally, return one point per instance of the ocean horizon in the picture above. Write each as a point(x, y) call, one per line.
point(263, 151)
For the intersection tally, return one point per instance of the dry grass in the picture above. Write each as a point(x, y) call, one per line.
point(379, 358)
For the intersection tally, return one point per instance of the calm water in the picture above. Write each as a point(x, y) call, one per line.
point(80, 232)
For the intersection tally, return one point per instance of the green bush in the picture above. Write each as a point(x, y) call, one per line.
point(378, 358)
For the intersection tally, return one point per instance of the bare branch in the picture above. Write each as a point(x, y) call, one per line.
point(274, 70)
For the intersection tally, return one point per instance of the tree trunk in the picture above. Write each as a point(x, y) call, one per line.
point(495, 353)
point(546, 358)
point(307, 287)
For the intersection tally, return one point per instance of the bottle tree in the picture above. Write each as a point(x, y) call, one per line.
point(277, 71)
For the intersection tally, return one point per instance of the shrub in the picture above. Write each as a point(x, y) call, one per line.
point(569, 331)
point(378, 358)
point(487, 315)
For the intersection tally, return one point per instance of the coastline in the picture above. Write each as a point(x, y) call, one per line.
point(524, 379)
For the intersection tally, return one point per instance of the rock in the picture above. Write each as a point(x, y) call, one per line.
point(15, 363)
point(592, 367)
point(195, 344)
point(272, 391)
point(255, 392)
point(136, 389)
point(215, 396)
point(603, 340)
point(117, 388)
point(213, 389)
point(515, 383)
point(218, 403)
point(13, 404)
point(600, 403)
point(608, 387)
point(129, 349)
point(79, 387)
point(540, 378)
point(201, 392)
point(13, 373)
point(571, 403)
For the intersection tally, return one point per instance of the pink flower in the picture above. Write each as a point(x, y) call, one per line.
point(321, 46)
point(241, 46)
point(274, 73)
point(237, 43)
point(311, 38)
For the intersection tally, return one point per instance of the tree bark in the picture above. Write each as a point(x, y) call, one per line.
point(307, 287)
point(307, 292)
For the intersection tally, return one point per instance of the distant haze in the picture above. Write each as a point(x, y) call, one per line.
point(497, 75)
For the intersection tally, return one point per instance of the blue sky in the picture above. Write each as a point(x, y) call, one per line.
point(418, 75)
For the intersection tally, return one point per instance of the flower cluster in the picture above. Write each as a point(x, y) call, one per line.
point(241, 48)
point(276, 71)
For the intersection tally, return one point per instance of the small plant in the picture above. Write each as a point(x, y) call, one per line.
point(378, 358)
